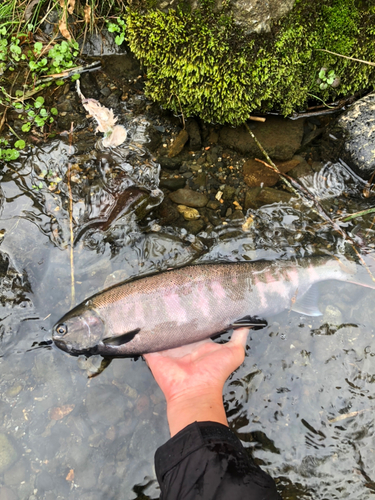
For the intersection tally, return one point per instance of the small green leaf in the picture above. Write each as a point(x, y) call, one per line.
point(38, 46)
point(322, 73)
point(59, 82)
point(75, 77)
point(39, 101)
point(20, 144)
point(54, 111)
point(26, 127)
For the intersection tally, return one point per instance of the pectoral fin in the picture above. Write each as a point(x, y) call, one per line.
point(308, 303)
point(249, 322)
point(121, 339)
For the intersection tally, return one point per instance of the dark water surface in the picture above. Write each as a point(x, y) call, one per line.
point(303, 401)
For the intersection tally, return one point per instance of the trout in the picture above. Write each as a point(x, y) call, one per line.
point(185, 305)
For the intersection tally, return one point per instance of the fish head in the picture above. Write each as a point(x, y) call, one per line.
point(79, 332)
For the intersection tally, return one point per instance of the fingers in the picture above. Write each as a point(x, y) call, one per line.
point(239, 337)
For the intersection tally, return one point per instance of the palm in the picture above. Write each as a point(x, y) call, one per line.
point(198, 366)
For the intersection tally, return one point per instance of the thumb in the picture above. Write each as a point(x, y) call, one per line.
point(239, 337)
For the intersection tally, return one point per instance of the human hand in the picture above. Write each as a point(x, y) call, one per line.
point(192, 378)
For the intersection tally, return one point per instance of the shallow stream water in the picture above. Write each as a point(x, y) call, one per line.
point(303, 400)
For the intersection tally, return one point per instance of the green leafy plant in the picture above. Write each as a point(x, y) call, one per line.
point(62, 56)
point(327, 78)
point(201, 63)
point(8, 153)
point(118, 27)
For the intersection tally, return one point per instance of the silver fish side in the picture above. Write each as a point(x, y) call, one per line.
point(182, 306)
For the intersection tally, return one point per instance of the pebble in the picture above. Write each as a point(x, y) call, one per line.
point(7, 494)
point(188, 212)
point(189, 198)
point(8, 453)
point(178, 144)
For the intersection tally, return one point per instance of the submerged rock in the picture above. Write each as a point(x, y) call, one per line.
point(256, 197)
point(280, 137)
point(178, 144)
point(189, 198)
point(256, 173)
point(8, 453)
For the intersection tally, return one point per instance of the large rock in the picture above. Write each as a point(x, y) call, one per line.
point(280, 137)
point(352, 137)
point(254, 15)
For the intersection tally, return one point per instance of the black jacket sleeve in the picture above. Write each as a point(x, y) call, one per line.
point(206, 461)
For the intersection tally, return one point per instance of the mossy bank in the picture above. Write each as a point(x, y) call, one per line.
point(202, 64)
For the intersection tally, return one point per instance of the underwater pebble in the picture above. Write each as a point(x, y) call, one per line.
point(188, 213)
point(189, 198)
point(332, 315)
point(8, 453)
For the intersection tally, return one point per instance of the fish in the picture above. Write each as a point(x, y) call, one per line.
point(185, 305)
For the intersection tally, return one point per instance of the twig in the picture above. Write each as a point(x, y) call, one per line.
point(347, 218)
point(257, 118)
point(72, 71)
point(347, 415)
point(347, 57)
point(73, 293)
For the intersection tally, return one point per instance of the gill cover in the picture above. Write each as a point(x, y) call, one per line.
point(79, 331)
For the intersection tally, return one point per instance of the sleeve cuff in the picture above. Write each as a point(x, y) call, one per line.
point(189, 440)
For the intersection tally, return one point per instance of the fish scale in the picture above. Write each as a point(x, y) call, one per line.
point(182, 306)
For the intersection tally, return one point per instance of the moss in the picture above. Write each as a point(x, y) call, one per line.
point(202, 64)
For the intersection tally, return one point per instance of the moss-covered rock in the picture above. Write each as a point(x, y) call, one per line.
point(202, 63)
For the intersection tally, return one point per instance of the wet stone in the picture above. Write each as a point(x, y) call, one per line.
point(105, 404)
point(154, 138)
point(280, 137)
point(169, 163)
point(178, 144)
point(188, 212)
point(86, 478)
point(257, 197)
point(8, 453)
point(44, 482)
point(189, 198)
point(7, 494)
point(257, 174)
point(16, 474)
point(173, 184)
point(195, 140)
point(195, 226)
point(332, 315)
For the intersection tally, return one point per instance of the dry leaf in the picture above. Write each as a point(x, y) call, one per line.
point(87, 11)
point(70, 476)
point(64, 29)
point(60, 412)
point(70, 6)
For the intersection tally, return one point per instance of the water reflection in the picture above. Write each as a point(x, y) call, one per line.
point(302, 401)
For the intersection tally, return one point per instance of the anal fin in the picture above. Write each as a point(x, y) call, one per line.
point(308, 303)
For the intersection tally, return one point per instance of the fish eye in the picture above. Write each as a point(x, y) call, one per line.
point(61, 329)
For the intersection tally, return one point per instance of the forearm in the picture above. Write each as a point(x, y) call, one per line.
point(187, 409)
